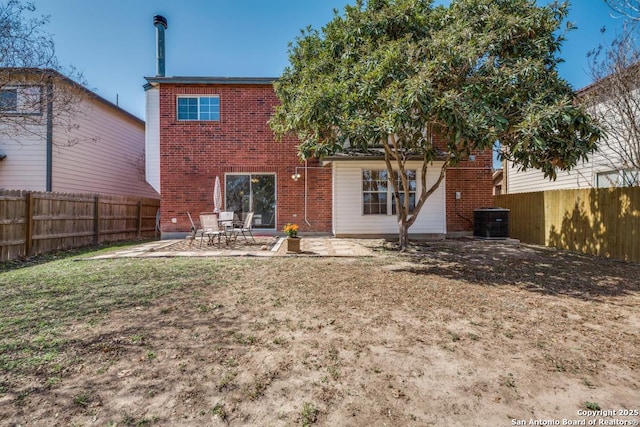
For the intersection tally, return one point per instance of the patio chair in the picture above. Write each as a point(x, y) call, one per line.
point(194, 230)
point(226, 218)
point(210, 227)
point(246, 228)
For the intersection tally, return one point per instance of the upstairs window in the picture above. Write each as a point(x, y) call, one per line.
point(9, 100)
point(204, 108)
point(24, 100)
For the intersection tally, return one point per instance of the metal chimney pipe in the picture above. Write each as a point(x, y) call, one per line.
point(160, 22)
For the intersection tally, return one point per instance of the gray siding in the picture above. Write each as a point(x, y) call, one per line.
point(534, 180)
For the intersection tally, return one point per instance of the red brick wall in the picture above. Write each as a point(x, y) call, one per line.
point(194, 153)
point(473, 180)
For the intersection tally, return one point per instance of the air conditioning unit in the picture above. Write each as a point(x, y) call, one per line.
point(491, 223)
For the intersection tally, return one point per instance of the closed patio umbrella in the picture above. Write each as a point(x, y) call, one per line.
point(217, 196)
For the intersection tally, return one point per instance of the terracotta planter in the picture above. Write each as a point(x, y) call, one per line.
point(293, 244)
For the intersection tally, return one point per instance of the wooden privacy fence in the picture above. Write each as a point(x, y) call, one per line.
point(36, 222)
point(602, 222)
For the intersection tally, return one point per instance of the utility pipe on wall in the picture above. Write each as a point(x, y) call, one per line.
point(49, 140)
point(306, 191)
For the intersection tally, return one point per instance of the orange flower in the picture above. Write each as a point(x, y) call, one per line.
point(291, 230)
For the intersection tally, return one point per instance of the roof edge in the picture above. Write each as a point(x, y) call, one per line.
point(600, 82)
point(213, 80)
point(68, 80)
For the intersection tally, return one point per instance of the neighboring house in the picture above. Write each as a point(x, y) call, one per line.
point(68, 140)
point(598, 172)
point(607, 167)
point(200, 128)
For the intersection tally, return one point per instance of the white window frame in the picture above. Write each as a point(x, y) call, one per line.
point(199, 111)
point(365, 192)
point(389, 192)
point(623, 178)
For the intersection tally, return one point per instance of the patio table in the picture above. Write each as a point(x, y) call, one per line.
point(227, 228)
point(226, 225)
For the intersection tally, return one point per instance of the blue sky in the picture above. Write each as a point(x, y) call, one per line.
point(113, 41)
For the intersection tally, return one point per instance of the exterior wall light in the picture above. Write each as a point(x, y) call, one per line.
point(295, 176)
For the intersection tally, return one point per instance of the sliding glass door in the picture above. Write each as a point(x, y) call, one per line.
point(252, 193)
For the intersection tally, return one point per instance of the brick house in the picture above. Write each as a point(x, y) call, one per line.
point(200, 128)
point(233, 143)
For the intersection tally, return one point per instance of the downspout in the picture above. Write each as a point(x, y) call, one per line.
point(306, 191)
point(49, 172)
point(296, 176)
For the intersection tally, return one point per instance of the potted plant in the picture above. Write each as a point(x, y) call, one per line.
point(293, 241)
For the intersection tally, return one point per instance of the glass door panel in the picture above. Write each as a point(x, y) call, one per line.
point(252, 193)
point(238, 193)
point(263, 192)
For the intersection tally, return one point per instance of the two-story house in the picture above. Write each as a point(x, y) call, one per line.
point(200, 128)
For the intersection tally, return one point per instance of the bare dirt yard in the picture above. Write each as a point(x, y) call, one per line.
point(459, 332)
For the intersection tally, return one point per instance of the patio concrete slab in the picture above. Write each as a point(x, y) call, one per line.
point(323, 246)
point(264, 246)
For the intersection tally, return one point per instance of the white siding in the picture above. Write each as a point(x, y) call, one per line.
point(152, 138)
point(533, 179)
point(107, 155)
point(584, 175)
point(348, 218)
point(24, 168)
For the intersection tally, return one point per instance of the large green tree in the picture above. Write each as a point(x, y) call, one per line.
point(386, 74)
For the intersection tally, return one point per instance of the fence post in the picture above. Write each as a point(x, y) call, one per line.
point(28, 224)
point(139, 218)
point(96, 220)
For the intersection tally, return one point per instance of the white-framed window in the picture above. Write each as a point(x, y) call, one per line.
point(199, 108)
point(618, 178)
point(377, 192)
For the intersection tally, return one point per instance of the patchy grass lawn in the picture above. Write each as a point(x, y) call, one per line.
point(452, 333)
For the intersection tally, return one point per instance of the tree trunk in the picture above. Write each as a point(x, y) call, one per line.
point(403, 236)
